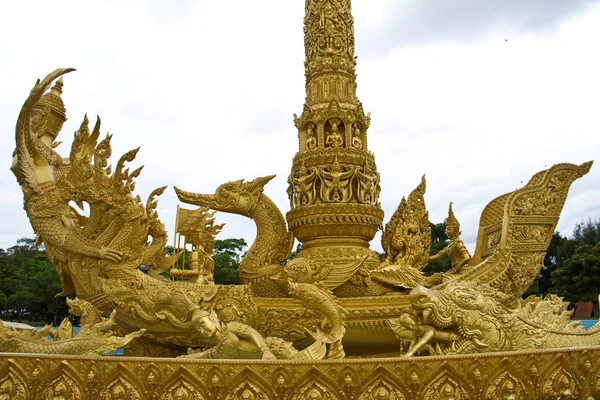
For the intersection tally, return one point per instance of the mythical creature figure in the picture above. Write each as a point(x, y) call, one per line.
point(35, 165)
point(274, 243)
point(318, 297)
point(456, 250)
point(238, 340)
point(262, 265)
point(368, 183)
point(94, 338)
point(304, 187)
point(471, 318)
point(336, 186)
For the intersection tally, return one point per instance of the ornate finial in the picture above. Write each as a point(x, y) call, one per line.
point(51, 112)
point(329, 50)
point(57, 88)
point(452, 225)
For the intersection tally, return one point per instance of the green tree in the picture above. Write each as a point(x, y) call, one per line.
point(227, 256)
point(44, 285)
point(579, 277)
point(560, 250)
point(29, 283)
point(439, 240)
point(587, 232)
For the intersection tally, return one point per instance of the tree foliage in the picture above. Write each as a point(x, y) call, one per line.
point(439, 240)
point(579, 277)
point(227, 256)
point(570, 265)
point(29, 284)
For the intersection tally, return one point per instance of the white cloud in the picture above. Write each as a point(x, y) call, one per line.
point(208, 90)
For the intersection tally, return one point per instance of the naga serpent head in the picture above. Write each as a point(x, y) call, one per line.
point(434, 307)
point(237, 197)
point(76, 306)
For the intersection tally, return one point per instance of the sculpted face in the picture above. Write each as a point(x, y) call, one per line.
point(205, 326)
point(451, 231)
point(434, 307)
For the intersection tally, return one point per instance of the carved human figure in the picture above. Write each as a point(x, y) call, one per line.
point(423, 334)
point(456, 250)
point(305, 187)
point(334, 138)
point(290, 190)
point(382, 394)
point(118, 393)
point(232, 339)
point(314, 394)
point(367, 185)
point(356, 140)
point(448, 392)
point(205, 264)
point(336, 186)
point(509, 390)
point(7, 390)
point(563, 386)
point(311, 141)
point(59, 391)
point(247, 395)
point(181, 394)
point(329, 21)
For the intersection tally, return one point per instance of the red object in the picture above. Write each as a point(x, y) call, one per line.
point(584, 309)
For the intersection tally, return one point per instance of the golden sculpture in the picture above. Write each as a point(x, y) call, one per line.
point(198, 228)
point(456, 250)
point(94, 338)
point(337, 299)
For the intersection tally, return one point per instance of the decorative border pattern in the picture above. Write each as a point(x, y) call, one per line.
point(541, 374)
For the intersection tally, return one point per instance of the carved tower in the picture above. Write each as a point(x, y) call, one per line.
point(334, 184)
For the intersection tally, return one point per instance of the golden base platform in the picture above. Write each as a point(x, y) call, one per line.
point(541, 374)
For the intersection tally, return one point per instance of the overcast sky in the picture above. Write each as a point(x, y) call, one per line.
point(478, 95)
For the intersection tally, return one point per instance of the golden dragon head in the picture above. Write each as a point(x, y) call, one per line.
point(434, 307)
point(237, 197)
point(437, 307)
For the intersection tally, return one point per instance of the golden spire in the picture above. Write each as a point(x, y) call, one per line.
point(333, 185)
point(332, 114)
point(329, 50)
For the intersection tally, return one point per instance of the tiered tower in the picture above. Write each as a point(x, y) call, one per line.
point(334, 184)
